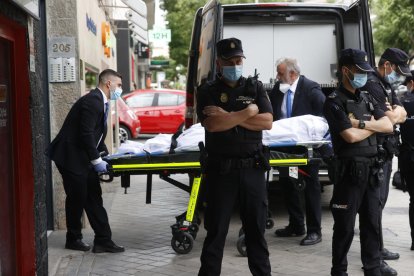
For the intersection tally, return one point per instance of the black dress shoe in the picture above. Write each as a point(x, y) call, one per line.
point(107, 247)
point(77, 245)
point(388, 255)
point(311, 238)
point(386, 270)
point(290, 231)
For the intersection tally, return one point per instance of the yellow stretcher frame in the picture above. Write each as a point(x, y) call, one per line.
point(196, 165)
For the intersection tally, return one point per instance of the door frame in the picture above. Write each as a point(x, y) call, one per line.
point(22, 166)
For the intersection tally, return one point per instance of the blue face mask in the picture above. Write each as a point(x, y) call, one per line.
point(394, 78)
point(115, 94)
point(359, 80)
point(232, 73)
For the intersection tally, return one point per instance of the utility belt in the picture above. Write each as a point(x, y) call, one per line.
point(225, 164)
point(359, 170)
point(389, 146)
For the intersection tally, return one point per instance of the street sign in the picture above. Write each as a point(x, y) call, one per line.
point(159, 35)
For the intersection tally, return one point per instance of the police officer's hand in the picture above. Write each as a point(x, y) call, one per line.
point(253, 109)
point(388, 105)
point(101, 167)
point(212, 110)
point(354, 122)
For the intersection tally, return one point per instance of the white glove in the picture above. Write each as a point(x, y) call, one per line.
point(101, 167)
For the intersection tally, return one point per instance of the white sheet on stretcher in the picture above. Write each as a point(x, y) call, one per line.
point(296, 129)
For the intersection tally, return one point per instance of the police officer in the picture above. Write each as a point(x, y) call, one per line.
point(234, 111)
point(391, 72)
point(354, 118)
point(406, 157)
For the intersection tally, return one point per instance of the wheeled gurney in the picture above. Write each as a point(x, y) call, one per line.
point(291, 154)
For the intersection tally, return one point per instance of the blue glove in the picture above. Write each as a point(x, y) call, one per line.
point(101, 167)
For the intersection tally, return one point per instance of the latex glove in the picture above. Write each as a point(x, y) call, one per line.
point(101, 167)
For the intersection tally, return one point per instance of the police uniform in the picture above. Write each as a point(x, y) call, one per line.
point(383, 93)
point(406, 157)
point(234, 173)
point(356, 188)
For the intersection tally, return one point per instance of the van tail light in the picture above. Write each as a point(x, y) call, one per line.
point(189, 112)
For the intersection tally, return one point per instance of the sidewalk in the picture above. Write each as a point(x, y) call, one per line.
point(145, 232)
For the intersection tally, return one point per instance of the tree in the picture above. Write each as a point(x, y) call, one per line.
point(393, 25)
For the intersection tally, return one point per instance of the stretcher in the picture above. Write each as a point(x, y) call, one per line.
point(184, 231)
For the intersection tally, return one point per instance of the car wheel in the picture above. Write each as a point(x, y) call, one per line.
point(124, 134)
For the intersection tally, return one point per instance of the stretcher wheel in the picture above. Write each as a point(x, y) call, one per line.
point(182, 242)
point(269, 223)
point(241, 246)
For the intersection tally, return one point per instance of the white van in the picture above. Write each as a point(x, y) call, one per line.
point(314, 34)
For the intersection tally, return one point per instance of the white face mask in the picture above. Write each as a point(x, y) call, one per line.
point(116, 93)
point(284, 87)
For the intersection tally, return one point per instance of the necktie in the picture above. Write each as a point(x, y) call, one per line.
point(106, 112)
point(289, 104)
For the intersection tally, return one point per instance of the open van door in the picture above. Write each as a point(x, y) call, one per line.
point(358, 30)
point(207, 30)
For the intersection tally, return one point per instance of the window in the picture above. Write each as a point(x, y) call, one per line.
point(143, 100)
point(167, 99)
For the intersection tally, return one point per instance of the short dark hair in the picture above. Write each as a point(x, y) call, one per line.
point(108, 73)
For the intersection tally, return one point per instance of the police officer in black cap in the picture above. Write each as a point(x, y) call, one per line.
point(391, 72)
point(406, 157)
point(354, 118)
point(234, 111)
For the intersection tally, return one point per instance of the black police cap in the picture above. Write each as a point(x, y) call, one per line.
point(398, 57)
point(355, 57)
point(229, 47)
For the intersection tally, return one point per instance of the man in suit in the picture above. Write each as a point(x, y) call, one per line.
point(295, 95)
point(77, 151)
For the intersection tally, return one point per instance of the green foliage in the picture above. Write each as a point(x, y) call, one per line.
point(393, 25)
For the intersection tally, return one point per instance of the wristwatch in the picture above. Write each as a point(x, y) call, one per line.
point(361, 124)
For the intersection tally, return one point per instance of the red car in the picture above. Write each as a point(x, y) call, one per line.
point(129, 123)
point(160, 111)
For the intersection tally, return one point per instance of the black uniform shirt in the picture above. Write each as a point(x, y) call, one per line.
point(337, 117)
point(238, 141)
point(408, 102)
point(377, 91)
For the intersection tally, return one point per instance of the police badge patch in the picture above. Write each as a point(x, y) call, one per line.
point(224, 98)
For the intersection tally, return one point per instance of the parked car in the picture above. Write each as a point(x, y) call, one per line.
point(159, 110)
point(129, 122)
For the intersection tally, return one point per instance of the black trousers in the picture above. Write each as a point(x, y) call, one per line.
point(352, 195)
point(406, 164)
point(384, 191)
point(312, 194)
point(248, 186)
point(83, 192)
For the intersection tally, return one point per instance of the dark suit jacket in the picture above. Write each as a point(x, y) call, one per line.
point(308, 99)
point(77, 141)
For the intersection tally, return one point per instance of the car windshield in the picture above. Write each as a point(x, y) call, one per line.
point(339, 2)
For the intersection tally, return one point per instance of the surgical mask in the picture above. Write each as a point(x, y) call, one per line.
point(359, 80)
point(232, 73)
point(116, 94)
point(394, 78)
point(284, 87)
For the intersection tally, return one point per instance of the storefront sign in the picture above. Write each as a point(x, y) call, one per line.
point(159, 35)
point(106, 38)
point(90, 24)
point(30, 6)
